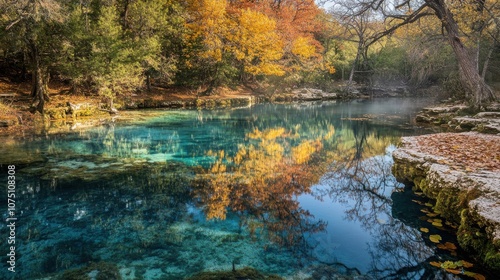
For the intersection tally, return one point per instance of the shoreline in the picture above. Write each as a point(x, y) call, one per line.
point(464, 184)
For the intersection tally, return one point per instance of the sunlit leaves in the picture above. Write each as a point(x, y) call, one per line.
point(303, 48)
point(463, 150)
point(253, 38)
point(257, 44)
point(209, 23)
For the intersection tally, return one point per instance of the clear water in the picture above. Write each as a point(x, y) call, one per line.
point(312, 195)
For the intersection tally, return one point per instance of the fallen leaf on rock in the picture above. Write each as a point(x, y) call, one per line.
point(468, 152)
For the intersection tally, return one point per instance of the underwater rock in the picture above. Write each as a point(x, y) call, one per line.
point(464, 195)
point(94, 271)
point(247, 273)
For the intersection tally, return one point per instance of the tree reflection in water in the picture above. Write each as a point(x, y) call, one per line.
point(261, 183)
point(360, 178)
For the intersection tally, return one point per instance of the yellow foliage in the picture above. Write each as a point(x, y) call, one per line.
point(209, 22)
point(302, 47)
point(256, 43)
point(330, 68)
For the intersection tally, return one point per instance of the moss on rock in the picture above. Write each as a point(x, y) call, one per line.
point(464, 198)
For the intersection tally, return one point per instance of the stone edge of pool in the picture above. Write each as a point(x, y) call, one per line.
point(469, 199)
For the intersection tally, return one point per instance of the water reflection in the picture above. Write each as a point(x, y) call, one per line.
point(174, 193)
point(262, 181)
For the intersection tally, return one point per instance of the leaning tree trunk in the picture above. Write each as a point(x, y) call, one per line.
point(39, 82)
point(478, 92)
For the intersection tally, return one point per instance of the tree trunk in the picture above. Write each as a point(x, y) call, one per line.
point(39, 81)
point(478, 92)
point(355, 63)
point(148, 82)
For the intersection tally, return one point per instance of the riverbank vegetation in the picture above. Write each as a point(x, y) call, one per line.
point(112, 49)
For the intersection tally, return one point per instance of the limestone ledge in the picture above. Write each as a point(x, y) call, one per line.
point(469, 199)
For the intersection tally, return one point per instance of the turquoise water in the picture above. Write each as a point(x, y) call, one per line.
point(298, 190)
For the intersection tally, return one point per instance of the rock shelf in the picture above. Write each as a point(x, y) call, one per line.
point(466, 192)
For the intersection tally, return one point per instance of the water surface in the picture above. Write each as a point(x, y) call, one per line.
point(296, 190)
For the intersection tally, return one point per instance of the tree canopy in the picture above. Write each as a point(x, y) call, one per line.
point(110, 47)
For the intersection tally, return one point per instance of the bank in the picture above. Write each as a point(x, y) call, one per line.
point(68, 111)
point(460, 172)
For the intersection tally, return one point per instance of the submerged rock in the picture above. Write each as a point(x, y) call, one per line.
point(93, 271)
point(244, 273)
point(466, 194)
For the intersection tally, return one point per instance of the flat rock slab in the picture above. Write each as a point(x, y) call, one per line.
point(485, 122)
point(461, 171)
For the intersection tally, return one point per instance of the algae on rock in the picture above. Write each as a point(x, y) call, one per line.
point(469, 199)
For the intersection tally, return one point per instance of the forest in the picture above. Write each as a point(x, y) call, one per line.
point(111, 48)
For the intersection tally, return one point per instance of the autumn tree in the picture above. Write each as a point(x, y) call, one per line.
point(462, 24)
point(256, 44)
point(34, 23)
point(297, 25)
point(253, 39)
point(206, 45)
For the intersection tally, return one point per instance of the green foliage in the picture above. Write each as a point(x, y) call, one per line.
point(157, 35)
point(111, 53)
point(390, 63)
point(115, 61)
point(341, 54)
